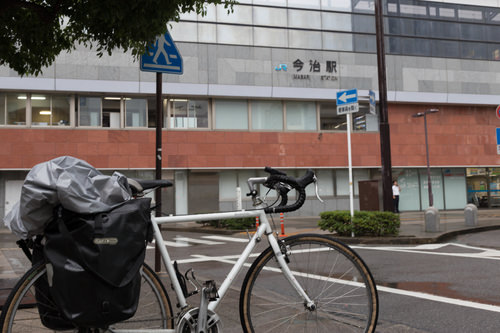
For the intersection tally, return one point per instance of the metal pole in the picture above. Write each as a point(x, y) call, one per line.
point(349, 153)
point(385, 137)
point(158, 158)
point(429, 183)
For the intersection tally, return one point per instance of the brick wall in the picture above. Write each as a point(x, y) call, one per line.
point(457, 136)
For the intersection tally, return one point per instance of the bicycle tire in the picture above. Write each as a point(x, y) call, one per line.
point(154, 309)
point(333, 276)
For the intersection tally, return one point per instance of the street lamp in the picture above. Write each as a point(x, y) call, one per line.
point(424, 114)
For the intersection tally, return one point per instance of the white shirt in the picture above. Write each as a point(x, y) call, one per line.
point(395, 190)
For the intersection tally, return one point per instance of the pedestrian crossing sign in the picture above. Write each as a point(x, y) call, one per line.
point(163, 56)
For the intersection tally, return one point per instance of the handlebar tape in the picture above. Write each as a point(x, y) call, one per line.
point(299, 184)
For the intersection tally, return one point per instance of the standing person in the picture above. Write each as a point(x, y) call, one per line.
point(395, 195)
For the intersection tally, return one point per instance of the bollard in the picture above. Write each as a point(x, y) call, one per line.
point(282, 223)
point(470, 214)
point(257, 223)
point(432, 219)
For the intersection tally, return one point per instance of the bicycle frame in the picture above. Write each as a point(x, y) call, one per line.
point(264, 229)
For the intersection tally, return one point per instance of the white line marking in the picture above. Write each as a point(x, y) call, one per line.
point(425, 296)
point(447, 300)
point(169, 243)
point(486, 253)
point(228, 239)
point(196, 241)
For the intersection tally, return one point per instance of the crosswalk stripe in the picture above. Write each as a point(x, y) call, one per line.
point(197, 241)
point(227, 239)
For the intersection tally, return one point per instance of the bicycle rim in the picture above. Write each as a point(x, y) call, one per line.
point(20, 313)
point(332, 275)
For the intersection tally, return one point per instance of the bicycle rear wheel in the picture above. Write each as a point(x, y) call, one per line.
point(20, 313)
point(333, 276)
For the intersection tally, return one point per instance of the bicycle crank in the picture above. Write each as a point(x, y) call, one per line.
point(189, 322)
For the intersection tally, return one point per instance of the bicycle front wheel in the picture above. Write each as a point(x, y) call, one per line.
point(333, 276)
point(20, 313)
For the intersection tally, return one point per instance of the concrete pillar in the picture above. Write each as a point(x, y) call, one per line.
point(432, 219)
point(470, 213)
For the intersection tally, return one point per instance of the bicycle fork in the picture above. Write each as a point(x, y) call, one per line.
point(280, 252)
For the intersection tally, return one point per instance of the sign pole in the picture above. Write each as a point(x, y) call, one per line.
point(349, 153)
point(160, 57)
point(158, 158)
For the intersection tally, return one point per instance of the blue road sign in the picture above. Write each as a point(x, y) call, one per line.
point(498, 136)
point(373, 102)
point(163, 56)
point(347, 97)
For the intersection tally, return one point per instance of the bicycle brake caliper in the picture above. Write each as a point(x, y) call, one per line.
point(285, 250)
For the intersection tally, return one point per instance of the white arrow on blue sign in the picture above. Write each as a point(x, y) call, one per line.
point(163, 56)
point(347, 97)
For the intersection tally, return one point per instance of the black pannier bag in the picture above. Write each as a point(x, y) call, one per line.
point(94, 262)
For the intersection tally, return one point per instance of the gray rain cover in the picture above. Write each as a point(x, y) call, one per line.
point(66, 181)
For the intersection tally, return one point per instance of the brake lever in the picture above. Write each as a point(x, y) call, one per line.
point(315, 180)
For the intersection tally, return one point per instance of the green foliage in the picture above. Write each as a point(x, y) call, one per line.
point(34, 32)
point(364, 223)
point(232, 224)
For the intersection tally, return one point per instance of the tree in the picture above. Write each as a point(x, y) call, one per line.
point(34, 32)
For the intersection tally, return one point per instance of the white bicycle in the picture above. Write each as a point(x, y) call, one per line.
point(302, 283)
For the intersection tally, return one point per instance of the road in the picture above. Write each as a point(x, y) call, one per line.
point(452, 287)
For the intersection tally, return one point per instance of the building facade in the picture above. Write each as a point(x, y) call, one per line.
point(259, 88)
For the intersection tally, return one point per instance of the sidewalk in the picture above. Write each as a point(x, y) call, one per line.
point(412, 230)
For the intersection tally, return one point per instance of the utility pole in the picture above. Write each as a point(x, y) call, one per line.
point(385, 137)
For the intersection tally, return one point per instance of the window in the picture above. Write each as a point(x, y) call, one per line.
point(152, 112)
point(336, 21)
point(472, 32)
point(416, 46)
point(304, 3)
point(442, 48)
point(301, 116)
point(445, 29)
point(89, 109)
point(207, 33)
point(304, 19)
point(492, 32)
point(136, 112)
point(240, 15)
point(470, 14)
point(232, 34)
point(231, 114)
point(186, 113)
point(304, 39)
point(184, 31)
point(413, 10)
point(325, 185)
point(111, 112)
point(473, 50)
point(494, 52)
point(363, 23)
point(267, 115)
point(338, 5)
point(269, 16)
point(50, 110)
point(337, 41)
point(363, 120)
point(270, 37)
point(16, 109)
point(365, 43)
point(329, 120)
